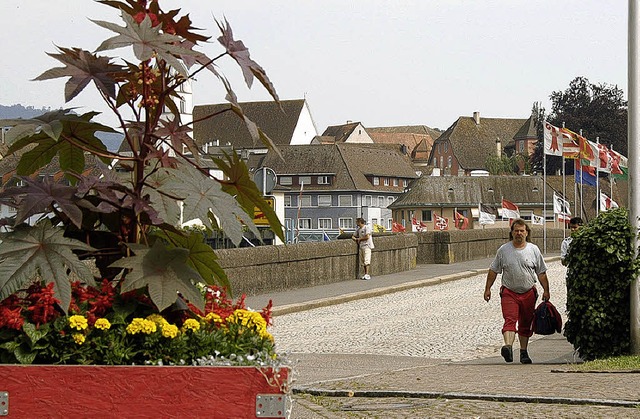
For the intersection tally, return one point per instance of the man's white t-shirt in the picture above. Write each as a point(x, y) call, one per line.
point(519, 267)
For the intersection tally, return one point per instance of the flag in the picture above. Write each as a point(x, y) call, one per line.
point(552, 140)
point(509, 209)
point(397, 227)
point(604, 159)
point(415, 225)
point(440, 223)
point(564, 218)
point(537, 220)
point(325, 236)
point(585, 174)
point(560, 205)
point(462, 222)
point(570, 144)
point(607, 203)
point(487, 214)
point(619, 166)
point(588, 153)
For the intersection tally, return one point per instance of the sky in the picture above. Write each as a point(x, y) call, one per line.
point(382, 63)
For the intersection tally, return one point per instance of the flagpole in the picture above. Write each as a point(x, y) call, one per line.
point(544, 200)
point(298, 216)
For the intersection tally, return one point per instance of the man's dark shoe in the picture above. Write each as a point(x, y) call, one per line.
point(524, 357)
point(507, 353)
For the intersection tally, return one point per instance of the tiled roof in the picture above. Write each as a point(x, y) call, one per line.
point(469, 191)
point(350, 163)
point(473, 143)
point(229, 129)
point(340, 132)
point(410, 129)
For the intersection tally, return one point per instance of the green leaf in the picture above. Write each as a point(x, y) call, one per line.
point(25, 355)
point(41, 250)
point(35, 334)
point(238, 183)
point(163, 271)
point(201, 194)
point(201, 257)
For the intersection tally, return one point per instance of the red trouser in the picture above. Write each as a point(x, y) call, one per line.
point(518, 308)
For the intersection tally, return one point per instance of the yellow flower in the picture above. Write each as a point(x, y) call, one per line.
point(139, 325)
point(78, 338)
point(103, 324)
point(157, 319)
point(191, 324)
point(214, 318)
point(251, 320)
point(78, 322)
point(170, 331)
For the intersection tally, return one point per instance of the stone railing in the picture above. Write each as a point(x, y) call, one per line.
point(266, 269)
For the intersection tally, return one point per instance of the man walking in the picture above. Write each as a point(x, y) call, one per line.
point(362, 236)
point(574, 225)
point(521, 264)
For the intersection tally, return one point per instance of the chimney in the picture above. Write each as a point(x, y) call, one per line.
point(498, 147)
point(349, 121)
point(476, 117)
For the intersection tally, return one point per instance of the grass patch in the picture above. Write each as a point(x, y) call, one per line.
point(627, 362)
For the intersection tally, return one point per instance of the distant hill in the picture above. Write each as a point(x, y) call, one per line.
point(110, 140)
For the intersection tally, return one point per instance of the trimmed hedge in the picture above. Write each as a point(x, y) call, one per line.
point(602, 265)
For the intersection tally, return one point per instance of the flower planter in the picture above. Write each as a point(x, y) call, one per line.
point(29, 391)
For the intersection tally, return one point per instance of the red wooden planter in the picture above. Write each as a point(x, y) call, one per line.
point(38, 391)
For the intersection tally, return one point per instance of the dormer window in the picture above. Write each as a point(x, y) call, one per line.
point(376, 181)
point(323, 180)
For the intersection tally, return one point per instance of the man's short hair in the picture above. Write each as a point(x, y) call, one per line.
point(576, 221)
point(360, 220)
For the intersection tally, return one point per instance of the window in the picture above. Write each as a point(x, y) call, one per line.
point(441, 161)
point(446, 147)
point(381, 201)
point(389, 200)
point(376, 181)
point(305, 200)
point(521, 146)
point(12, 209)
point(304, 223)
point(449, 161)
point(374, 221)
point(285, 180)
point(304, 179)
point(386, 181)
point(323, 180)
point(435, 162)
point(439, 148)
point(405, 183)
point(345, 223)
point(390, 224)
point(324, 200)
point(367, 200)
point(395, 182)
point(287, 200)
point(426, 215)
point(345, 200)
point(324, 223)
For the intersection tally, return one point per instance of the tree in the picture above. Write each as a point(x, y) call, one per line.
point(127, 224)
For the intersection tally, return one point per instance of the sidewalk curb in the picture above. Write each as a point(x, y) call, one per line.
point(325, 302)
point(465, 396)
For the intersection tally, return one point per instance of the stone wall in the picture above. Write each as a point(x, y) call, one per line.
point(265, 269)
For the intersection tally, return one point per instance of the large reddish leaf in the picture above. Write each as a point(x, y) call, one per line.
point(164, 272)
point(83, 67)
point(147, 42)
point(240, 53)
point(41, 251)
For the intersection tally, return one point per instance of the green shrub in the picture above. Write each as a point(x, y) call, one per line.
point(601, 267)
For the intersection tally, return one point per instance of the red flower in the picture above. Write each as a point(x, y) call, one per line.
point(42, 303)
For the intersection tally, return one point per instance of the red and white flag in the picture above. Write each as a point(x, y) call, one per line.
point(570, 144)
point(509, 210)
point(440, 223)
point(552, 140)
point(607, 203)
point(462, 222)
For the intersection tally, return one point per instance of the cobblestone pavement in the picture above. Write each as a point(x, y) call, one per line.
point(446, 321)
point(439, 347)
